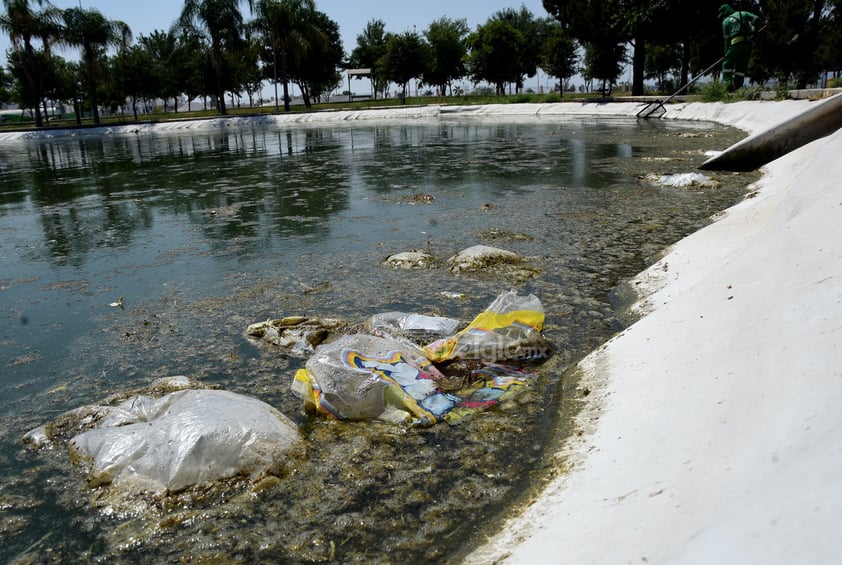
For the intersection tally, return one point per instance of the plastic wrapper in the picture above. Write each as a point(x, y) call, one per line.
point(416, 327)
point(184, 438)
point(508, 330)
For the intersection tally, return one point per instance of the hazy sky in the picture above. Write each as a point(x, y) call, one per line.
point(145, 16)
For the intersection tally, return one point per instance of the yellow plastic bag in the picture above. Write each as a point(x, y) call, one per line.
point(508, 330)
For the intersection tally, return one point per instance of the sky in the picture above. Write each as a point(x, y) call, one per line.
point(145, 16)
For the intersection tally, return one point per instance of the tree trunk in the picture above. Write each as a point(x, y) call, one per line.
point(91, 65)
point(220, 93)
point(285, 79)
point(685, 63)
point(305, 94)
point(94, 104)
point(638, 66)
point(29, 62)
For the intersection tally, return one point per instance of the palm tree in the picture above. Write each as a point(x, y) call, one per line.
point(288, 25)
point(222, 24)
point(94, 33)
point(22, 24)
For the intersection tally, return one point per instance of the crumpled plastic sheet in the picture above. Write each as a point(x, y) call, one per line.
point(416, 327)
point(185, 438)
point(362, 377)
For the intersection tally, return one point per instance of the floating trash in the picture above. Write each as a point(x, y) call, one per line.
point(683, 180)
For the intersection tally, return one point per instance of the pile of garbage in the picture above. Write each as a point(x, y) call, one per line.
point(403, 368)
point(388, 377)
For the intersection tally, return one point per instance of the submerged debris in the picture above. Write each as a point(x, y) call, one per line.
point(484, 258)
point(410, 260)
point(296, 334)
point(168, 437)
point(504, 235)
point(683, 180)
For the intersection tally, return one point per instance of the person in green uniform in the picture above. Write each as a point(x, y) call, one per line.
point(737, 29)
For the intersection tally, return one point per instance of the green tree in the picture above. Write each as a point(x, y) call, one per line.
point(289, 26)
point(687, 31)
point(559, 52)
point(194, 71)
point(22, 24)
point(603, 62)
point(135, 75)
point(531, 30)
point(93, 33)
point(5, 86)
point(791, 45)
point(599, 26)
point(495, 54)
point(369, 53)
point(602, 26)
point(405, 59)
point(663, 61)
point(221, 23)
point(61, 81)
point(249, 73)
point(830, 48)
point(448, 50)
point(316, 71)
point(160, 49)
point(24, 93)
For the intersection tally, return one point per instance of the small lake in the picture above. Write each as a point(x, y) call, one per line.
point(200, 232)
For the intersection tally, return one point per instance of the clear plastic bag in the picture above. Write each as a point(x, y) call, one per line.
point(184, 438)
point(417, 327)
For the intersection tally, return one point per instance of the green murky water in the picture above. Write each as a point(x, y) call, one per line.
point(206, 230)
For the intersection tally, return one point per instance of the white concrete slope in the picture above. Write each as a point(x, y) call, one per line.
point(714, 430)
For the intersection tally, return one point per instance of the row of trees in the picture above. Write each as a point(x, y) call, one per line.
point(213, 49)
point(209, 51)
point(509, 47)
point(799, 38)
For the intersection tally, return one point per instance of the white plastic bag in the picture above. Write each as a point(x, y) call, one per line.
point(184, 438)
